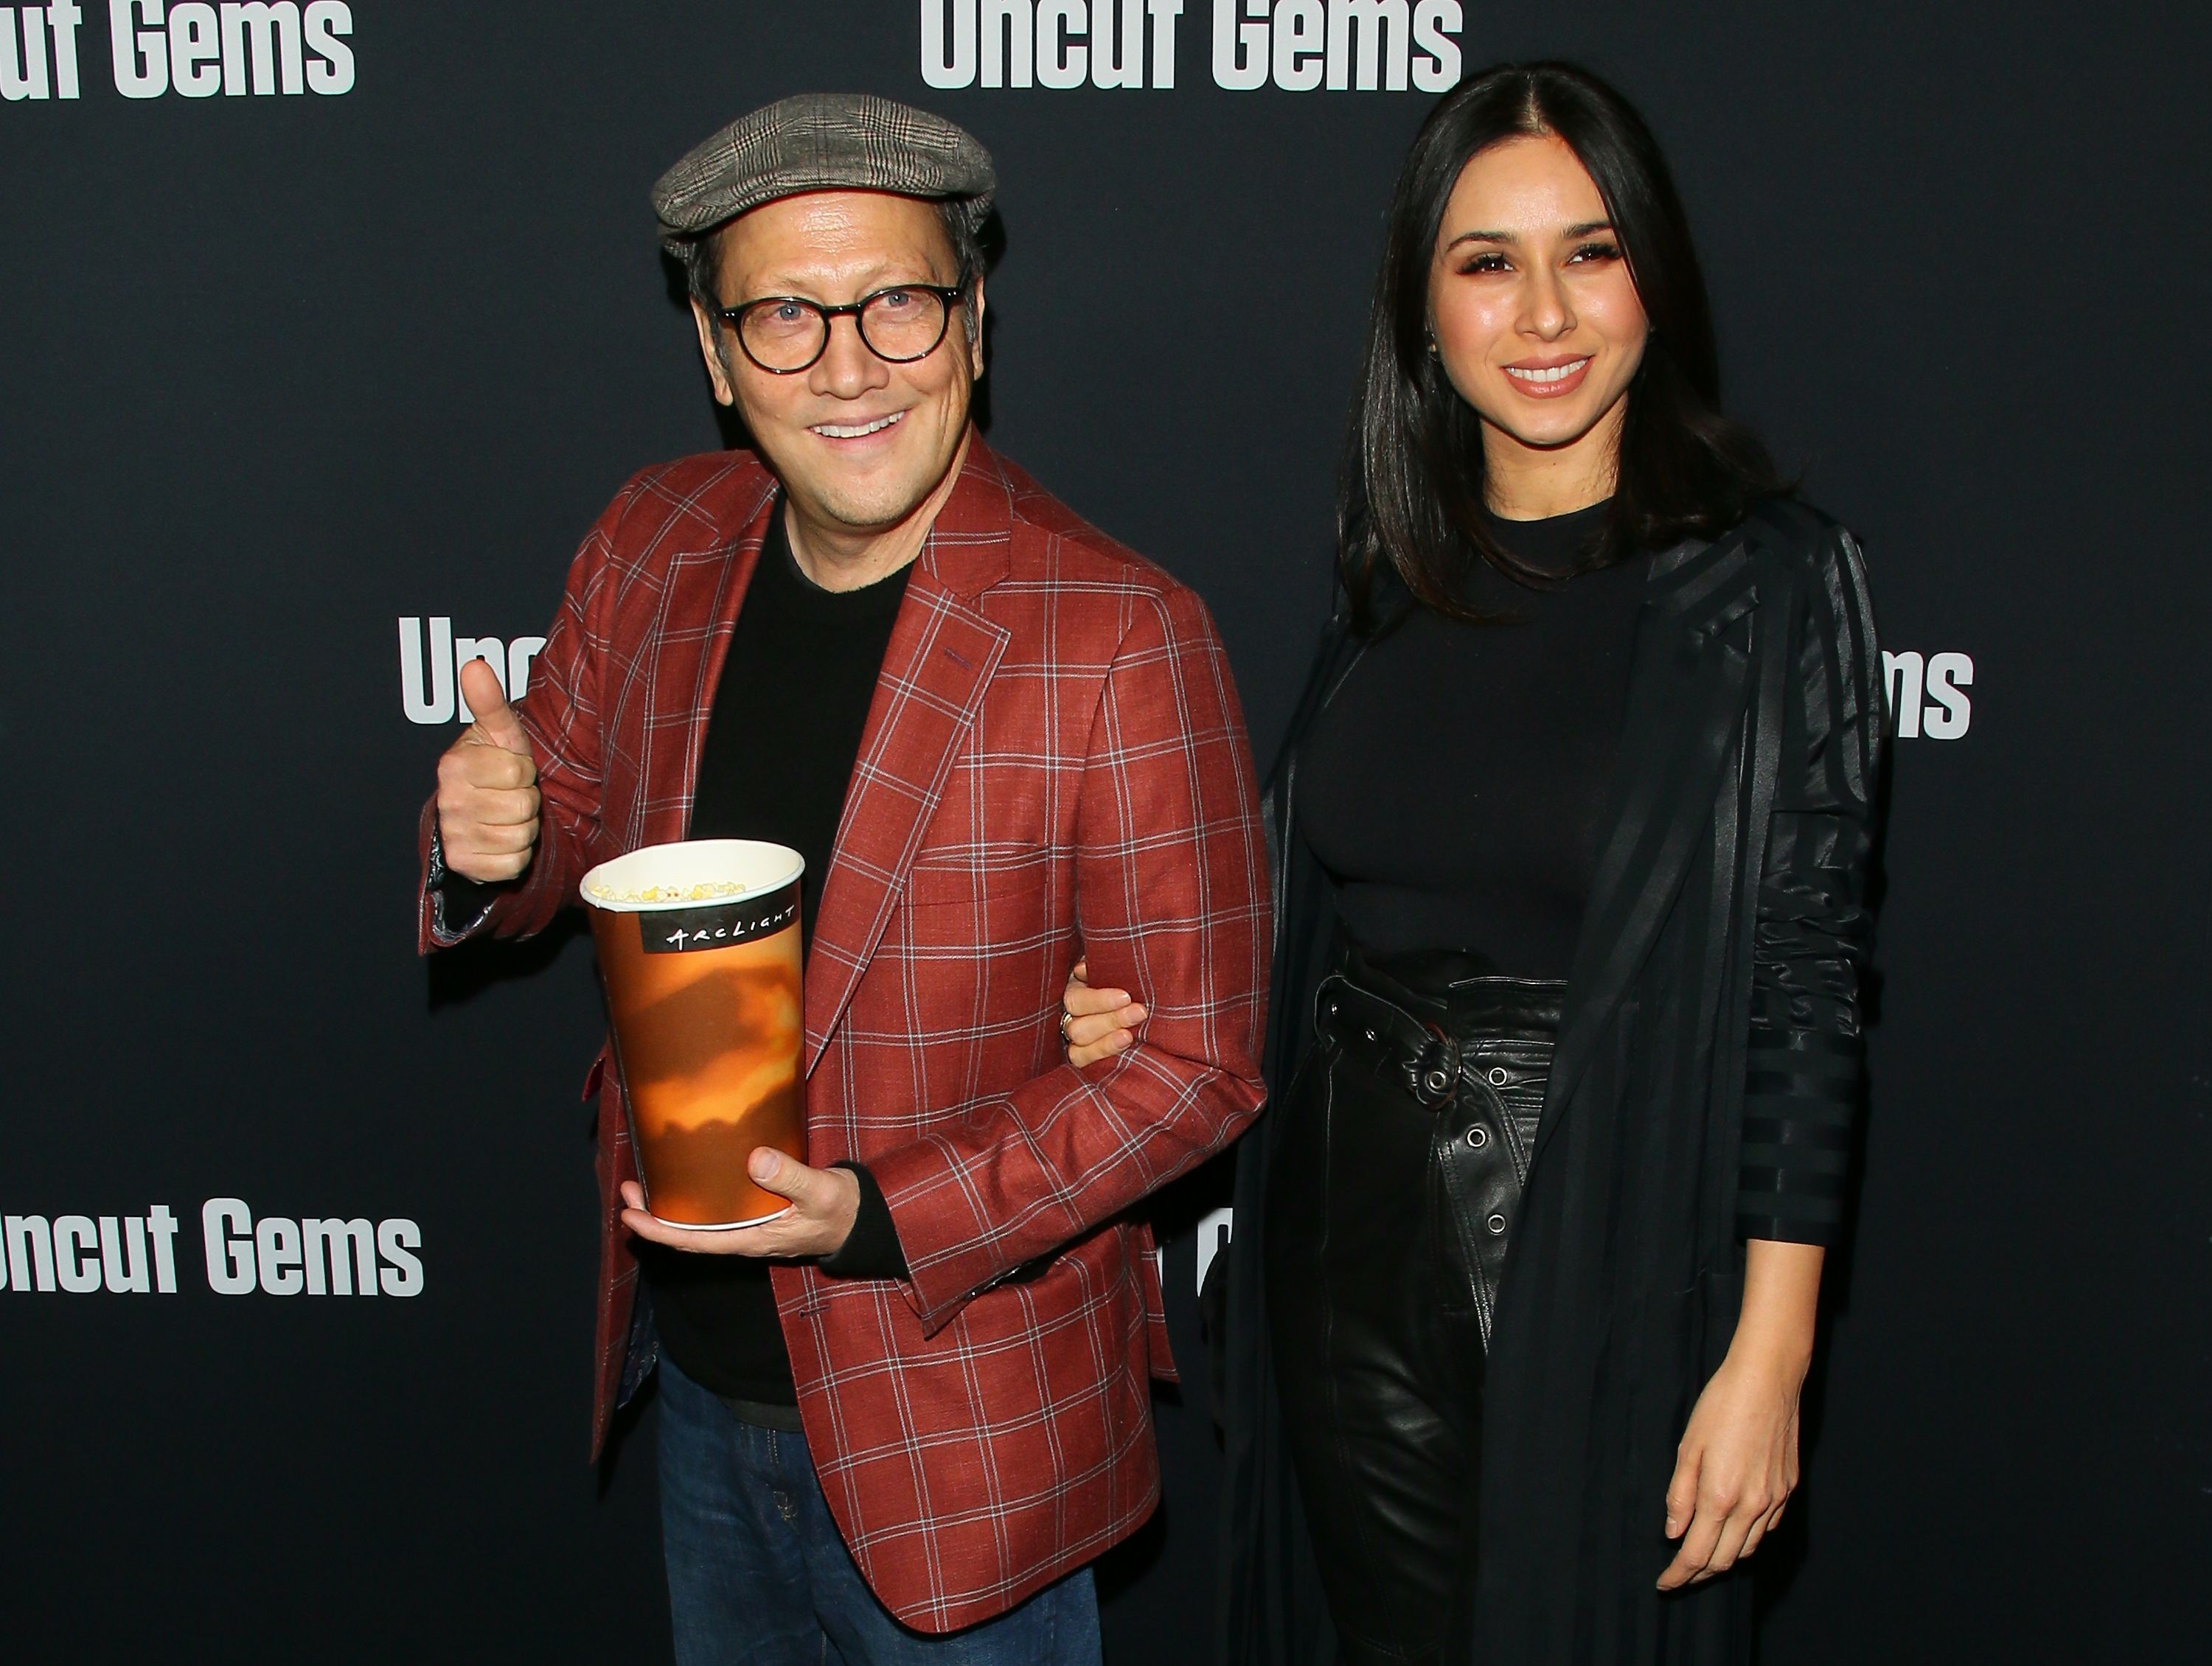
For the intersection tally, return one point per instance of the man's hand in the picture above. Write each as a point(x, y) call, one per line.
point(488, 786)
point(824, 1203)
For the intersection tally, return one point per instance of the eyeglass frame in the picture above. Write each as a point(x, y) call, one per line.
point(949, 296)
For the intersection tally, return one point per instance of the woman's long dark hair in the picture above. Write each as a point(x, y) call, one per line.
point(1412, 490)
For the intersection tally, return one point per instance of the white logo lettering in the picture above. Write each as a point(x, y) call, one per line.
point(1214, 1231)
point(1359, 45)
point(26, 32)
point(78, 1255)
point(1054, 43)
point(1926, 696)
point(430, 661)
point(136, 1254)
point(260, 49)
point(280, 1257)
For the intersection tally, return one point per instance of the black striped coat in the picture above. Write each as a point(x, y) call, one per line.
point(1704, 1091)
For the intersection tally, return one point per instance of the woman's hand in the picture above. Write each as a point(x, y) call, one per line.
point(1097, 1023)
point(1735, 1471)
point(1737, 1464)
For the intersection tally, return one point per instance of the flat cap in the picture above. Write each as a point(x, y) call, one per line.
point(822, 141)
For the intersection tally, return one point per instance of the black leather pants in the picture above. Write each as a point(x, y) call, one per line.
point(1404, 1140)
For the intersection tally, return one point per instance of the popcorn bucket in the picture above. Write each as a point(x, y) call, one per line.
point(698, 946)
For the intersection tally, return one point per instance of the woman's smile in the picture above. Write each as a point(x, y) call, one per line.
point(1548, 378)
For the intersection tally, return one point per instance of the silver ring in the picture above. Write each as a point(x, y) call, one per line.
point(1065, 1040)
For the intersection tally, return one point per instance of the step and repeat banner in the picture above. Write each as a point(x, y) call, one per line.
point(326, 329)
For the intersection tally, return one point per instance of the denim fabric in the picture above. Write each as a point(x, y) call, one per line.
point(758, 1573)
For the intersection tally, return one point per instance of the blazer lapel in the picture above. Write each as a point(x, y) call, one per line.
point(681, 667)
point(1688, 688)
point(936, 672)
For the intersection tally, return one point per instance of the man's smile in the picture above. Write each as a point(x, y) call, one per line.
point(856, 430)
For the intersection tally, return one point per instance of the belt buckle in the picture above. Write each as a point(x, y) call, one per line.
point(1435, 1069)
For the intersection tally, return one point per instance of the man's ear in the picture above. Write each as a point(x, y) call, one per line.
point(710, 349)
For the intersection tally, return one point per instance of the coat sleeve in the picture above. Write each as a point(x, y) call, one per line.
point(1171, 901)
point(1803, 1082)
point(560, 714)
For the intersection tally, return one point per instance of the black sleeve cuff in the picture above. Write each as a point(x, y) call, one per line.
point(1800, 1106)
point(466, 899)
point(1826, 1234)
point(872, 1249)
point(457, 903)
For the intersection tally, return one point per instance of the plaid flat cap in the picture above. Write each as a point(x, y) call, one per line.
point(821, 141)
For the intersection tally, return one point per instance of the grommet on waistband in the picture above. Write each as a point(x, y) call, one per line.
point(1433, 1074)
point(1478, 1137)
point(1497, 1075)
point(1496, 1225)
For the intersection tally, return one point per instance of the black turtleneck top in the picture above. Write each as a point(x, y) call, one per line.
point(781, 738)
point(1456, 788)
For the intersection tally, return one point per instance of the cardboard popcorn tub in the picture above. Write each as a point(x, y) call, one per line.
point(698, 947)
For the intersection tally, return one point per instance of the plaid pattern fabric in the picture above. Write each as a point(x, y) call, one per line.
point(1055, 763)
point(821, 141)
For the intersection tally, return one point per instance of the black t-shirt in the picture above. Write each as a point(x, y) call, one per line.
point(1456, 787)
point(781, 739)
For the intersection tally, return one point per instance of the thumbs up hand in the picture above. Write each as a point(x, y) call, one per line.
point(488, 786)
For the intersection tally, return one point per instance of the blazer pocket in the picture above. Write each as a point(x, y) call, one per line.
point(970, 879)
point(995, 931)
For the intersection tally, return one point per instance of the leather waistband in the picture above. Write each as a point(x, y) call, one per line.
point(1430, 1020)
point(1458, 993)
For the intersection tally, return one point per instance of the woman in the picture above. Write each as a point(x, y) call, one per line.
point(1574, 823)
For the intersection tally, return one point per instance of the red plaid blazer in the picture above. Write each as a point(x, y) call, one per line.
point(1055, 763)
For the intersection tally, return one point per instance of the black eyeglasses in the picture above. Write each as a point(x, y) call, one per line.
point(786, 334)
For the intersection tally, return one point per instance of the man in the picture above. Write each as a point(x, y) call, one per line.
point(917, 1403)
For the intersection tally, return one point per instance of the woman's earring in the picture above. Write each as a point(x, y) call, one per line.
point(1433, 352)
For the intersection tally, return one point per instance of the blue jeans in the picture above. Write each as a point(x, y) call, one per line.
point(758, 1573)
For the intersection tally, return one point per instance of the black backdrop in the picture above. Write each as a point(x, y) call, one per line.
point(284, 371)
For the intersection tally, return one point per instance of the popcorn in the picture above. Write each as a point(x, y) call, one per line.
point(707, 891)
